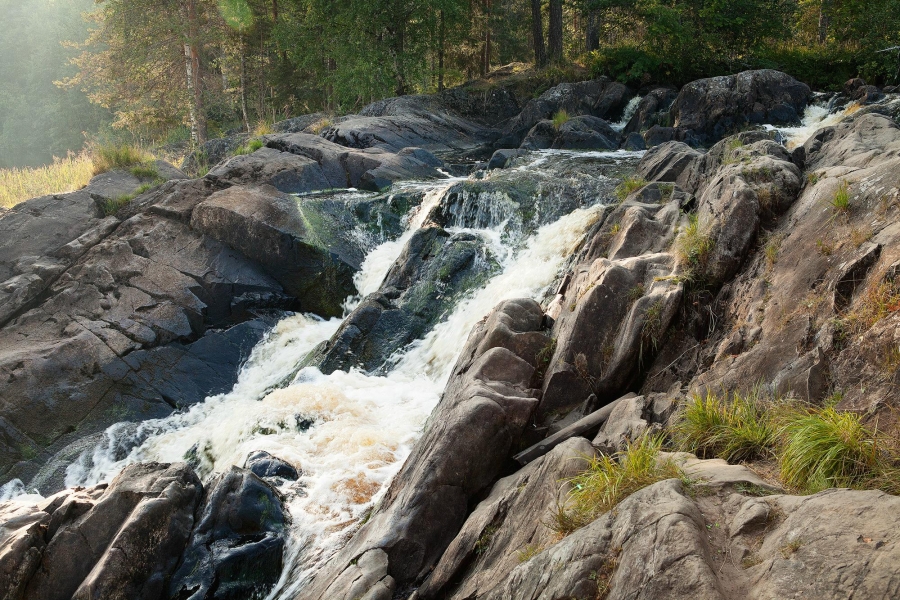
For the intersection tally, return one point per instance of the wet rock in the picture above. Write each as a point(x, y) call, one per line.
point(508, 526)
point(634, 142)
point(501, 158)
point(262, 464)
point(587, 133)
point(236, 549)
point(482, 414)
point(652, 110)
point(315, 266)
point(658, 135)
point(124, 544)
point(599, 98)
point(433, 271)
point(712, 108)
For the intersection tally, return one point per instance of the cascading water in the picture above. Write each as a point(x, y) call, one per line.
point(349, 432)
point(629, 111)
point(815, 117)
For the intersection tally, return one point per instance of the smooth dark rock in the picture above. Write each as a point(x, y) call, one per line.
point(716, 107)
point(236, 549)
point(263, 464)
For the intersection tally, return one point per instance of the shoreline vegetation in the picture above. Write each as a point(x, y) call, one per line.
point(249, 64)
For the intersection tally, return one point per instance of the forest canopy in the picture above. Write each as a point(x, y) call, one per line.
point(166, 71)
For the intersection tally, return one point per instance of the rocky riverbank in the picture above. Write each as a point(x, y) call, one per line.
point(726, 263)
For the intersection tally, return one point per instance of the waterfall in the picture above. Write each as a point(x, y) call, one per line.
point(348, 433)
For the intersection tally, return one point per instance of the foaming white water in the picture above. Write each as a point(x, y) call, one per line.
point(378, 262)
point(347, 433)
point(630, 109)
point(525, 275)
point(815, 117)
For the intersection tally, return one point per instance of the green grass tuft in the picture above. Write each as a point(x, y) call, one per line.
point(610, 479)
point(560, 118)
point(113, 205)
point(841, 200)
point(826, 448)
point(248, 148)
point(692, 249)
point(145, 171)
point(733, 428)
point(117, 156)
point(628, 186)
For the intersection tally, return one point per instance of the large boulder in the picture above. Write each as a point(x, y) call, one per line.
point(153, 533)
point(653, 109)
point(599, 98)
point(579, 133)
point(312, 257)
point(236, 549)
point(434, 270)
point(301, 162)
point(123, 542)
point(715, 107)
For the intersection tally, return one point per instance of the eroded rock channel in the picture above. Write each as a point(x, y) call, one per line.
point(367, 363)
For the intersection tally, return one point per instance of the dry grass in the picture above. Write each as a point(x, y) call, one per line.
point(880, 300)
point(64, 175)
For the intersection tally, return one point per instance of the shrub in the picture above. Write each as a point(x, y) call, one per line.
point(734, 429)
point(560, 118)
point(828, 448)
point(629, 185)
point(116, 156)
point(610, 479)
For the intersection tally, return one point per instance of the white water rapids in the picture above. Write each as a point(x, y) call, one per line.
point(349, 432)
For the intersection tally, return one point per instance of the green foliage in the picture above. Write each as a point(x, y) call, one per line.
point(249, 148)
point(828, 448)
point(840, 202)
point(118, 156)
point(629, 185)
point(560, 118)
point(692, 249)
point(733, 428)
point(610, 479)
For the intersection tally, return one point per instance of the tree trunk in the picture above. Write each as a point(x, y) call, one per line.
point(537, 31)
point(486, 67)
point(592, 31)
point(556, 32)
point(244, 88)
point(192, 68)
point(441, 39)
point(824, 20)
